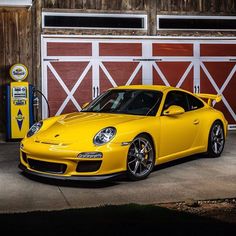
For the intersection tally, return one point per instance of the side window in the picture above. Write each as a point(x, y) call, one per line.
point(194, 103)
point(177, 98)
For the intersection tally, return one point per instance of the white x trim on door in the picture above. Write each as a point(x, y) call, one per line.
point(221, 90)
point(65, 88)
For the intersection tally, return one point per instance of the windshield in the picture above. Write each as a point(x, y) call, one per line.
point(129, 101)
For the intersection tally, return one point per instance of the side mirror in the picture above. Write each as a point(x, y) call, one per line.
point(173, 111)
point(85, 105)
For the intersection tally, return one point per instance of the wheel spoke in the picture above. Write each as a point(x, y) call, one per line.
point(218, 130)
point(135, 147)
point(136, 167)
point(215, 147)
point(132, 161)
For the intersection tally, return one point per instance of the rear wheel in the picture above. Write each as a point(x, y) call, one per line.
point(140, 160)
point(216, 140)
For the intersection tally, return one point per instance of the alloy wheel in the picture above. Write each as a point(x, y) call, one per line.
point(140, 158)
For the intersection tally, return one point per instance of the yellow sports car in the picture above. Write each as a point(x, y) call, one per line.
point(127, 129)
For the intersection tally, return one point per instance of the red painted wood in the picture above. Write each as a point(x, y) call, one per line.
point(173, 71)
point(56, 94)
point(120, 49)
point(70, 71)
point(84, 92)
point(69, 49)
point(172, 49)
point(214, 50)
point(220, 71)
point(120, 73)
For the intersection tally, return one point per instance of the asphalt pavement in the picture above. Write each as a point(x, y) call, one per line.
point(196, 177)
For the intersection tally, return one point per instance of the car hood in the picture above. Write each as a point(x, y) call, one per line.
point(81, 126)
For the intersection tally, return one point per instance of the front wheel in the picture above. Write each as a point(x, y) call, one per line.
point(216, 140)
point(140, 160)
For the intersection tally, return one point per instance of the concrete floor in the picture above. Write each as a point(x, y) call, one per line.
point(190, 178)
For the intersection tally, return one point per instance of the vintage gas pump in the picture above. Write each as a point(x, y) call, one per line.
point(19, 103)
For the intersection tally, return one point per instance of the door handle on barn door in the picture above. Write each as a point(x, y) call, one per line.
point(94, 95)
point(196, 122)
point(196, 89)
point(97, 91)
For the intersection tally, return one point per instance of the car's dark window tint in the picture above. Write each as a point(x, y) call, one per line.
point(176, 98)
point(130, 101)
point(194, 103)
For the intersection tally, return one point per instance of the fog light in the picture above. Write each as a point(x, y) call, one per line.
point(90, 155)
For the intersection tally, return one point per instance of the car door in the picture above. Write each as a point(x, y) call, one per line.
point(178, 132)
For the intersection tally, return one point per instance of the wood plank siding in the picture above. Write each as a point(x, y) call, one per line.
point(20, 28)
point(16, 47)
point(167, 6)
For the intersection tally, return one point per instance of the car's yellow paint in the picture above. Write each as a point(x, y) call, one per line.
point(174, 135)
point(210, 97)
point(173, 111)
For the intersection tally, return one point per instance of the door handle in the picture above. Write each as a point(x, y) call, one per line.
point(198, 89)
point(94, 92)
point(195, 122)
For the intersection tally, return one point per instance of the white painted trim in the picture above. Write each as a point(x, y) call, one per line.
point(147, 74)
point(116, 15)
point(15, 3)
point(51, 36)
point(162, 76)
point(196, 17)
point(44, 76)
point(196, 67)
point(135, 72)
point(68, 92)
point(218, 90)
point(184, 76)
point(107, 74)
point(193, 17)
point(95, 70)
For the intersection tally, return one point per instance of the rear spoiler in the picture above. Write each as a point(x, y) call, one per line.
point(210, 97)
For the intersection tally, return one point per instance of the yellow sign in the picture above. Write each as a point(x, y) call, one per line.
point(18, 72)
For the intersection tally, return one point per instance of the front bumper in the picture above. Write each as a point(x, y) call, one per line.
point(76, 178)
point(63, 162)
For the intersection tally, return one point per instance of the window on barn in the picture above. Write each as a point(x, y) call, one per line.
point(94, 20)
point(213, 23)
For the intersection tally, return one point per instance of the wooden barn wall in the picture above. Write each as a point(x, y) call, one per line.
point(16, 47)
point(149, 7)
point(168, 6)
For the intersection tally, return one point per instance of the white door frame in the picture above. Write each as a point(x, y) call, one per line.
point(146, 62)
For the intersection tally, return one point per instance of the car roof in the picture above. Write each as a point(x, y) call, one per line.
point(161, 88)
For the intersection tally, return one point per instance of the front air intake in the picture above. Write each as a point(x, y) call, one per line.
point(49, 167)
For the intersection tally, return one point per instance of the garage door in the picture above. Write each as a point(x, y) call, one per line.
point(217, 68)
point(77, 70)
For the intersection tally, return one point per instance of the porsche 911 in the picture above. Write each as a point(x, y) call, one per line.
point(126, 130)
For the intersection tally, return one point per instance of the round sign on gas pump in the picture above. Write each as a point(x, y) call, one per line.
point(18, 72)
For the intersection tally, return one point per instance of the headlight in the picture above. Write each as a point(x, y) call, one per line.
point(104, 136)
point(34, 129)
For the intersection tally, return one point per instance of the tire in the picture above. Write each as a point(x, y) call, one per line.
point(140, 158)
point(216, 140)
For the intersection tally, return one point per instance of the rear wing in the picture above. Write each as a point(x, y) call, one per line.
point(210, 97)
